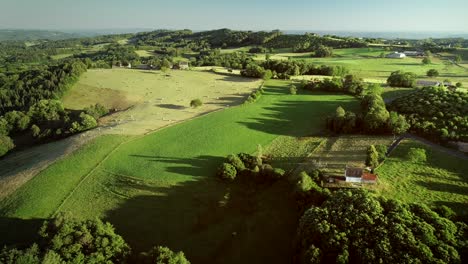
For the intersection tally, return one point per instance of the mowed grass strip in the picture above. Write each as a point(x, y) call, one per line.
point(42, 195)
point(442, 180)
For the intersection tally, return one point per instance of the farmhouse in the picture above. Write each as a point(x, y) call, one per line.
point(412, 53)
point(182, 65)
point(396, 55)
point(358, 175)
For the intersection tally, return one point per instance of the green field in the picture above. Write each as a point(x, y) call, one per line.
point(161, 189)
point(442, 180)
point(366, 63)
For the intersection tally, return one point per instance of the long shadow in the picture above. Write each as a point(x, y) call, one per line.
point(172, 106)
point(296, 118)
point(230, 100)
point(187, 166)
point(19, 233)
point(230, 78)
point(444, 187)
point(211, 221)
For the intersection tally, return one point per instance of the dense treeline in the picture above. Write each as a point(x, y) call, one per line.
point(113, 54)
point(283, 69)
point(235, 60)
point(67, 240)
point(19, 91)
point(204, 40)
point(435, 113)
point(310, 42)
point(356, 227)
point(374, 117)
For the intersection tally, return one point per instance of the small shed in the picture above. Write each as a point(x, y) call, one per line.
point(182, 65)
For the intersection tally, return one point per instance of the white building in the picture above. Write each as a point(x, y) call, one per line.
point(396, 55)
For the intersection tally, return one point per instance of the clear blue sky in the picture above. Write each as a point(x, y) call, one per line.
point(350, 15)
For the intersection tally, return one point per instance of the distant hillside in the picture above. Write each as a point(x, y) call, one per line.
point(27, 35)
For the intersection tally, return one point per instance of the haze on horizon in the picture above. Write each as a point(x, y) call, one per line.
point(332, 15)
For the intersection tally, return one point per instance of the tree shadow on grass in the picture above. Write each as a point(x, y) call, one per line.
point(17, 232)
point(211, 221)
point(444, 187)
point(197, 166)
point(172, 106)
point(296, 118)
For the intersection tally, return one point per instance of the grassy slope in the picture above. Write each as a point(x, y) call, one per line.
point(442, 180)
point(162, 185)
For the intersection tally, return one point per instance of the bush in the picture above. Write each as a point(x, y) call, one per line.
point(235, 161)
point(163, 255)
point(323, 51)
point(292, 89)
point(382, 151)
point(278, 173)
point(6, 144)
point(459, 85)
point(196, 103)
point(417, 155)
point(250, 161)
point(372, 159)
point(35, 130)
point(426, 61)
point(96, 111)
point(402, 79)
point(432, 73)
point(227, 172)
point(304, 183)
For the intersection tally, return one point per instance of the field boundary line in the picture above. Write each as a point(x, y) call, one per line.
point(91, 172)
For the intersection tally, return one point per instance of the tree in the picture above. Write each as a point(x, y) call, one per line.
point(35, 130)
point(459, 85)
point(163, 255)
point(397, 123)
point(323, 51)
point(227, 172)
point(196, 103)
point(6, 144)
point(458, 59)
point(372, 159)
point(402, 79)
point(354, 226)
point(292, 89)
point(432, 73)
point(267, 75)
point(426, 61)
point(417, 155)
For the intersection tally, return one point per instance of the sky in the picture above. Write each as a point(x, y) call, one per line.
point(332, 15)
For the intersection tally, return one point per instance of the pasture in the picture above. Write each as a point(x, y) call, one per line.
point(163, 185)
point(156, 99)
point(441, 180)
point(366, 63)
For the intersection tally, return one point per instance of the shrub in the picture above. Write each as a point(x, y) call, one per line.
point(304, 183)
point(402, 79)
point(250, 161)
point(417, 155)
point(426, 61)
point(432, 73)
point(96, 111)
point(235, 161)
point(323, 51)
point(278, 173)
point(163, 255)
point(382, 151)
point(196, 103)
point(227, 172)
point(458, 84)
point(292, 89)
point(372, 159)
point(35, 130)
point(6, 144)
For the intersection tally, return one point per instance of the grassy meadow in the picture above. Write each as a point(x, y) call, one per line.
point(163, 185)
point(156, 99)
point(441, 180)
